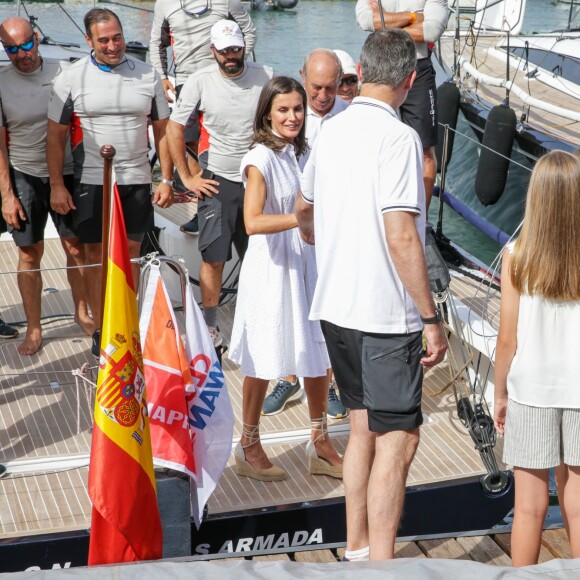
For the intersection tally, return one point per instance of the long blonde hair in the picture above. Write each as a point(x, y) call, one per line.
point(546, 257)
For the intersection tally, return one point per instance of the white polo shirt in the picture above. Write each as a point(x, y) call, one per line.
point(314, 121)
point(364, 163)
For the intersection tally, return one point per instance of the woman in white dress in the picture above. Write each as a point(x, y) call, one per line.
point(272, 336)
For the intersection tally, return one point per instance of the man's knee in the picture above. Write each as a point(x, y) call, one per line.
point(29, 257)
point(93, 253)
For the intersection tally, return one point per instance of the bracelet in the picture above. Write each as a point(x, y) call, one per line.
point(168, 182)
point(412, 17)
point(433, 319)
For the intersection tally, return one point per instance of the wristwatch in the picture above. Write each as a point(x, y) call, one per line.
point(433, 319)
point(170, 182)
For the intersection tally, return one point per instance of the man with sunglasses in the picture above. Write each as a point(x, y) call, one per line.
point(25, 87)
point(185, 25)
point(107, 98)
point(226, 95)
point(348, 87)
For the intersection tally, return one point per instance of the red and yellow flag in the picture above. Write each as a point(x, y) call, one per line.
point(125, 522)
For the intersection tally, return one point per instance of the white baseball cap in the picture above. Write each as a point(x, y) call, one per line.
point(347, 62)
point(225, 33)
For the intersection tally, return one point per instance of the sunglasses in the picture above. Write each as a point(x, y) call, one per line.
point(13, 49)
point(224, 51)
point(350, 81)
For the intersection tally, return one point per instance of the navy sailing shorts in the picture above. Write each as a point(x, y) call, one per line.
point(419, 110)
point(221, 221)
point(380, 373)
point(34, 196)
point(88, 217)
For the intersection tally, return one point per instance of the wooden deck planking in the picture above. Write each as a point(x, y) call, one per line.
point(37, 421)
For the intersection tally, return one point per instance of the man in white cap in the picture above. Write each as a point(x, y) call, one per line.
point(225, 94)
point(348, 86)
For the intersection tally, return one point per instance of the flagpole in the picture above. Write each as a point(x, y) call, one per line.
point(107, 153)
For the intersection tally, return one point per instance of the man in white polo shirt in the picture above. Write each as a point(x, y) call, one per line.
point(107, 98)
point(321, 74)
point(225, 94)
point(373, 294)
point(25, 86)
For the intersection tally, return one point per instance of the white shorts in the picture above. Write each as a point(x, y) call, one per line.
point(541, 437)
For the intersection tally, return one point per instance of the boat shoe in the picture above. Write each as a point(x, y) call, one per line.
point(7, 331)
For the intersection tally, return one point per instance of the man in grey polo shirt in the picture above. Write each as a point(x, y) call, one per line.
point(107, 99)
point(25, 86)
point(372, 317)
point(226, 94)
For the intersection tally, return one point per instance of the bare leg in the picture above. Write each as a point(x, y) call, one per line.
point(386, 490)
point(358, 460)
point(30, 286)
point(317, 394)
point(92, 280)
point(290, 379)
point(74, 260)
point(531, 505)
point(429, 173)
point(562, 474)
point(254, 391)
point(572, 509)
point(210, 282)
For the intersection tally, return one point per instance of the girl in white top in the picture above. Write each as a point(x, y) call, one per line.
point(272, 336)
point(537, 365)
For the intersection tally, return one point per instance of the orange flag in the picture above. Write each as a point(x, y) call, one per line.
point(125, 522)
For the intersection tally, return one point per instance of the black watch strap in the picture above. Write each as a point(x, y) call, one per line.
point(433, 319)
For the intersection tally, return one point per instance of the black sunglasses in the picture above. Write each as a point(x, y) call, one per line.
point(14, 48)
point(350, 81)
point(224, 51)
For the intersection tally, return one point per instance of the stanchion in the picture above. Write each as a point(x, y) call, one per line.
point(107, 153)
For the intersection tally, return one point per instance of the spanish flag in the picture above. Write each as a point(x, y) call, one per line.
point(125, 521)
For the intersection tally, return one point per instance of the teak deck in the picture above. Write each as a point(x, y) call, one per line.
point(45, 422)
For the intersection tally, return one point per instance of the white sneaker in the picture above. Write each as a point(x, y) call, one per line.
point(216, 335)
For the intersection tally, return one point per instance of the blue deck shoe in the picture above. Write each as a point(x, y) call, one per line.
point(7, 331)
point(191, 227)
point(283, 392)
point(336, 410)
point(3, 470)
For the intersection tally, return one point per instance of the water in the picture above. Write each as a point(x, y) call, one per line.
point(285, 37)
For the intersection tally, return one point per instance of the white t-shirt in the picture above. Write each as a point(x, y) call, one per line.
point(365, 163)
point(545, 371)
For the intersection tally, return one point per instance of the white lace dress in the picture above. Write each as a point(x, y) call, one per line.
point(272, 336)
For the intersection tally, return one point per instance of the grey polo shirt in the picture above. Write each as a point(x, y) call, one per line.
point(226, 107)
point(188, 33)
point(24, 99)
point(109, 108)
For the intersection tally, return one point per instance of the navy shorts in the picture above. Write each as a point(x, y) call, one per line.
point(221, 221)
point(34, 195)
point(419, 110)
point(88, 217)
point(380, 373)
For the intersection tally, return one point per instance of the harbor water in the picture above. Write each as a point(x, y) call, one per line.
point(285, 37)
